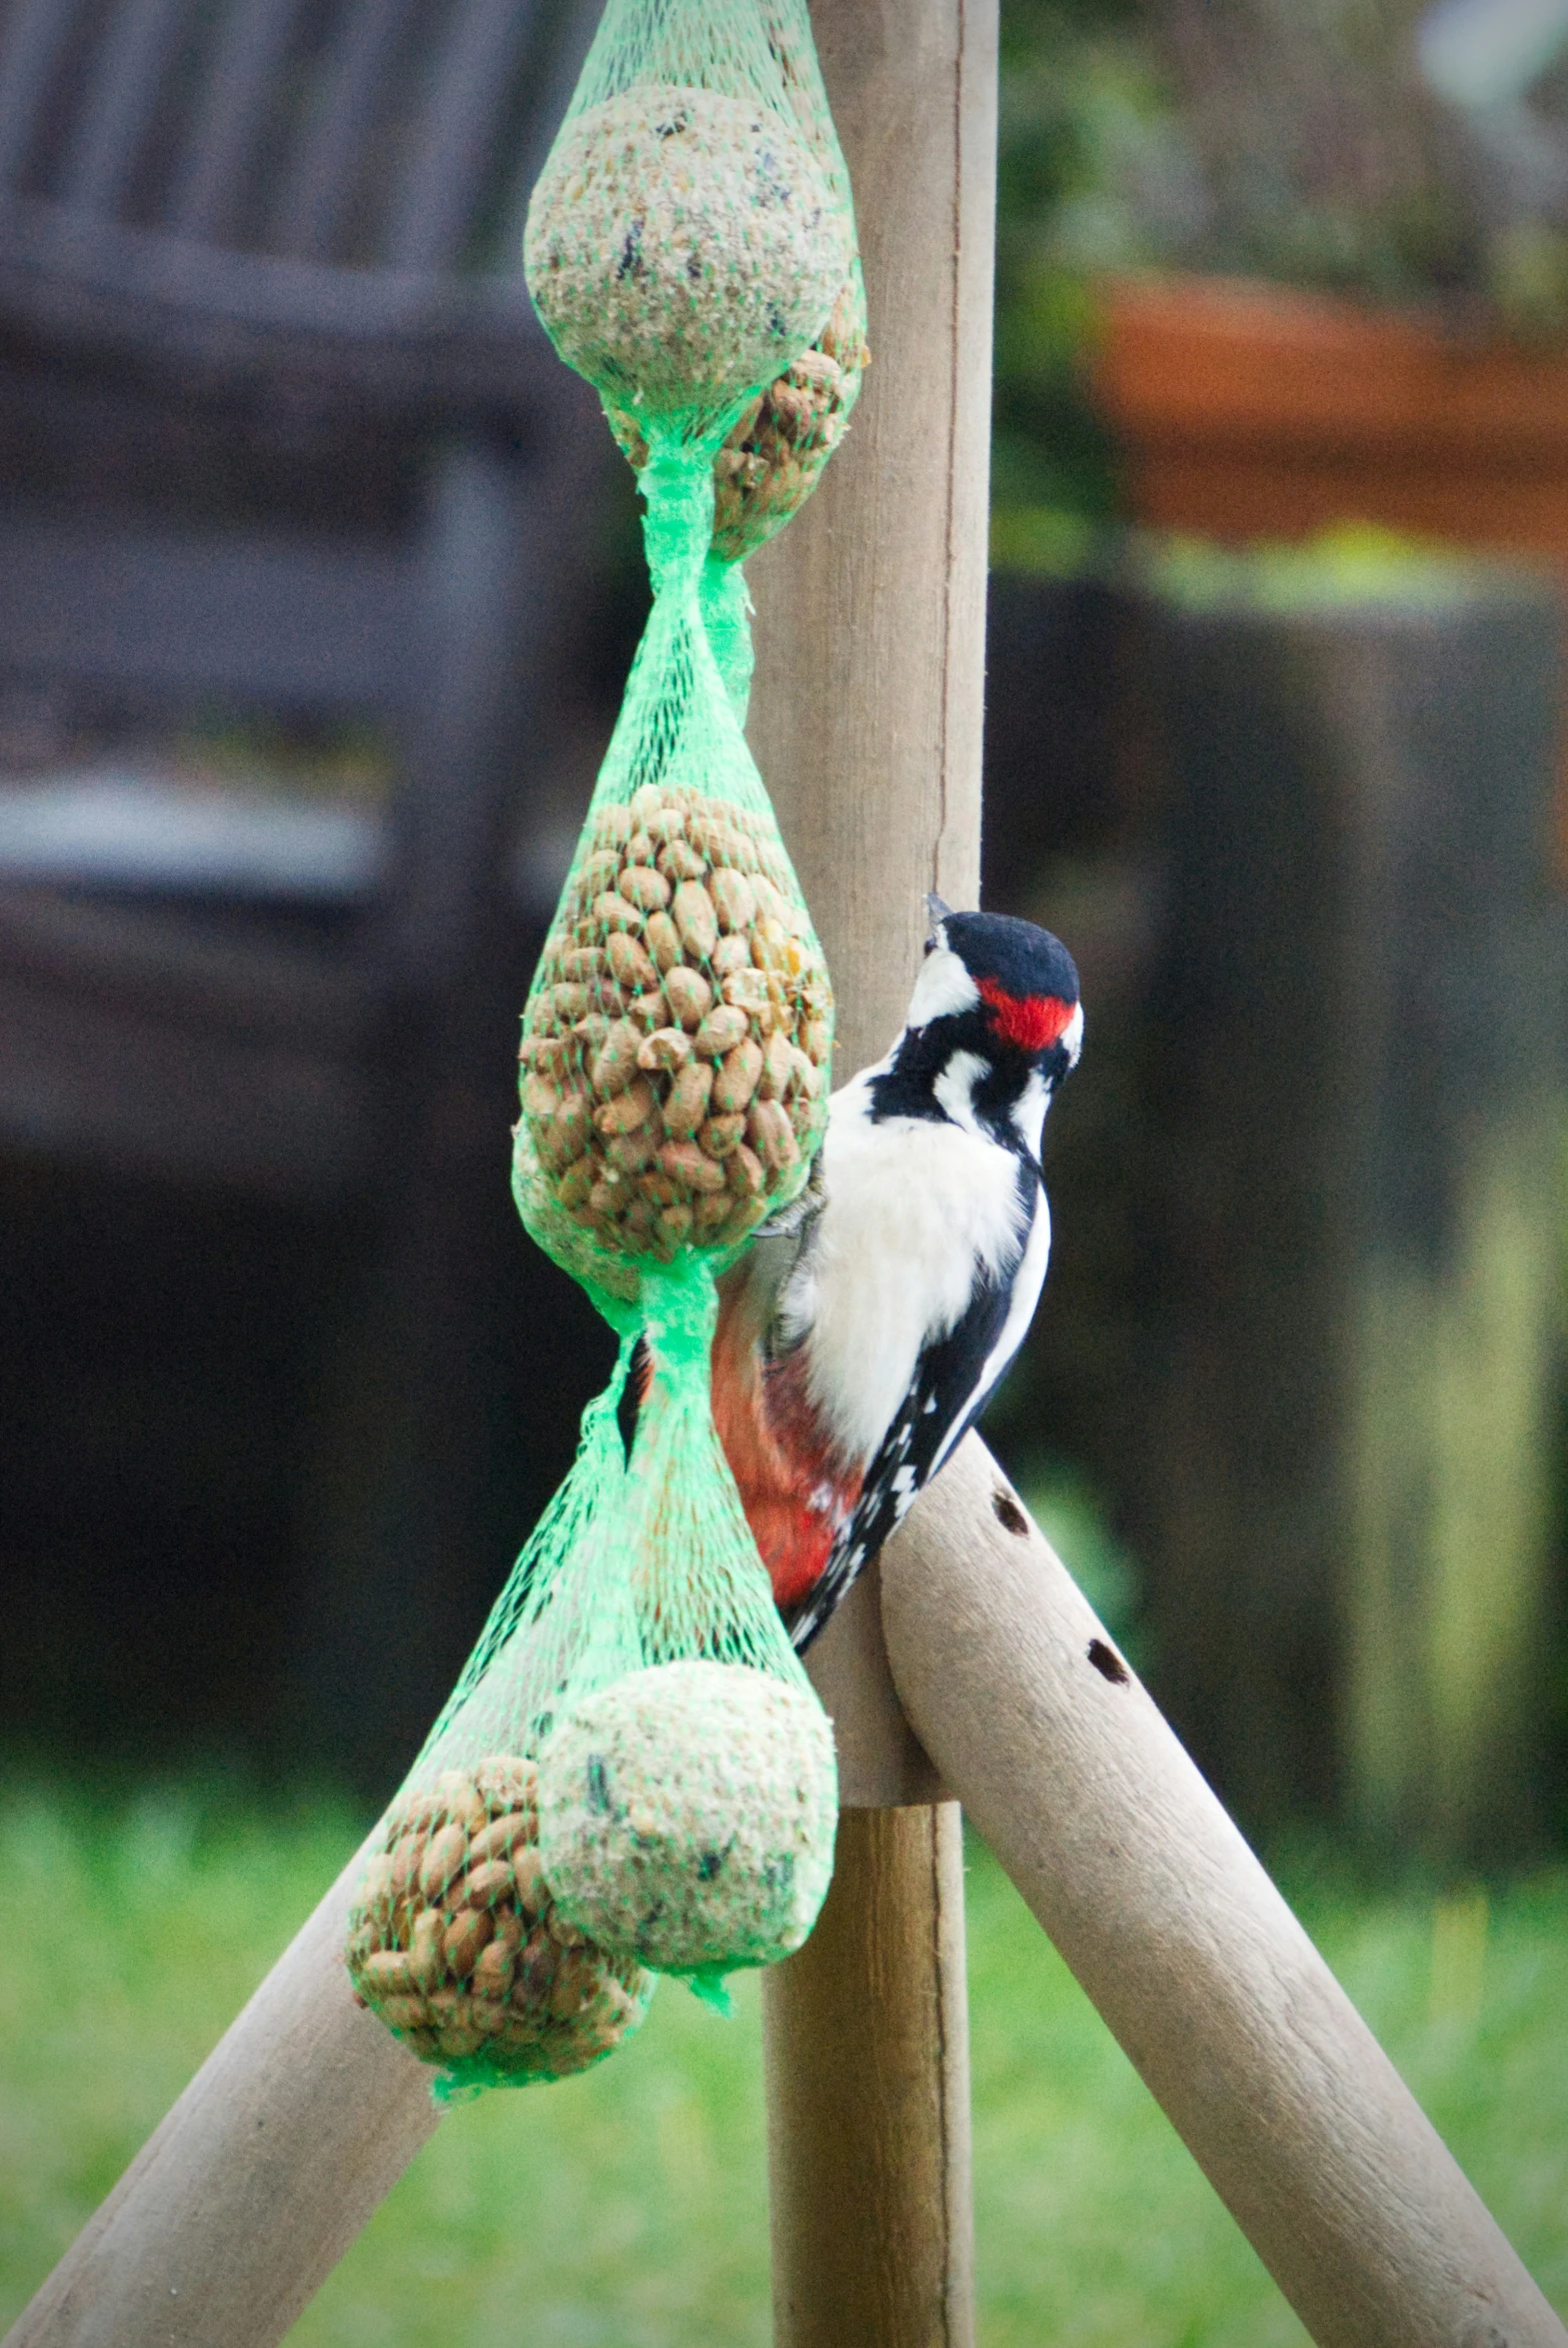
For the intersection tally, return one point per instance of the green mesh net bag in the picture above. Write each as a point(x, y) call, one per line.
point(634, 1774)
point(691, 247)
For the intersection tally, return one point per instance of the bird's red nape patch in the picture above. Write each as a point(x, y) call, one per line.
point(1031, 1023)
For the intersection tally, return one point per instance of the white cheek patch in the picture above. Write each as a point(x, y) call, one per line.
point(1072, 1036)
point(943, 988)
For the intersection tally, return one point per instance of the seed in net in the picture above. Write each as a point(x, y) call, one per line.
point(737, 1077)
point(630, 1153)
point(470, 1930)
point(686, 991)
point(539, 1095)
point(689, 1814)
point(771, 1135)
point(683, 245)
point(686, 1103)
point(666, 1049)
point(617, 1061)
point(720, 1031)
point(734, 899)
point(612, 912)
point(628, 1110)
point(778, 1077)
point(646, 800)
point(645, 887)
point(721, 1135)
point(696, 919)
point(679, 860)
point(687, 1162)
point(744, 1173)
point(663, 940)
point(731, 953)
point(672, 1224)
point(631, 965)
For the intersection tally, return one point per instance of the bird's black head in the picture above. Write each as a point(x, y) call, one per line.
point(1024, 982)
point(995, 1012)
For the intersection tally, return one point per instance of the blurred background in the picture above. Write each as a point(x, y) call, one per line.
point(319, 582)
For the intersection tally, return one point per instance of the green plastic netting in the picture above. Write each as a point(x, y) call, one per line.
point(632, 1773)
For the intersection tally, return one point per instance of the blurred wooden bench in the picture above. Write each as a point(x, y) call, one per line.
point(278, 429)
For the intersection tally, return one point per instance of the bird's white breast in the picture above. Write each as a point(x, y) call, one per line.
point(914, 1208)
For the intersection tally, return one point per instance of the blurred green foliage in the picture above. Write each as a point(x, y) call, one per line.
point(628, 2207)
point(1079, 99)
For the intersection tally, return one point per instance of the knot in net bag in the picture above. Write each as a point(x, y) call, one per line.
point(633, 1774)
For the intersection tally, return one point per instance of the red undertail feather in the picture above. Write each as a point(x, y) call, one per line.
point(795, 1500)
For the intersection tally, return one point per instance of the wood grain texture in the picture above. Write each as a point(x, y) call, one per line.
point(867, 2052)
point(871, 613)
point(867, 706)
point(867, 718)
point(1279, 2089)
point(243, 2200)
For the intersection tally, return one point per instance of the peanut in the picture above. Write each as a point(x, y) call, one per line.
point(746, 990)
point(720, 1031)
point(615, 1064)
point(487, 1884)
point(647, 802)
point(666, 1047)
point(672, 1224)
point(688, 994)
point(506, 1784)
point(628, 1110)
point(468, 1931)
point(530, 1876)
point(631, 965)
point(684, 1162)
point(575, 1183)
point(734, 899)
point(768, 1130)
point(400, 2013)
point(645, 887)
point(630, 1153)
point(663, 939)
point(687, 1104)
point(777, 1068)
point(385, 1975)
point(696, 919)
point(721, 1133)
point(614, 913)
point(444, 1855)
point(743, 1171)
point(427, 1954)
point(731, 953)
point(679, 860)
point(737, 1078)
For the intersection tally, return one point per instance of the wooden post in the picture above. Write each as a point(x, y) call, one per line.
point(1283, 2096)
point(866, 725)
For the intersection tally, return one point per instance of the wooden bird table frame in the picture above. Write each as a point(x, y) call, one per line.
point(867, 724)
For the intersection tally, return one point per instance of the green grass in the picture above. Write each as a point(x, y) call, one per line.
point(629, 2207)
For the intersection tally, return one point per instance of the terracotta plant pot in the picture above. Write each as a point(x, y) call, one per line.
point(1250, 410)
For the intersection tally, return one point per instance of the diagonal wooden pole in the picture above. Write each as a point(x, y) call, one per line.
point(866, 717)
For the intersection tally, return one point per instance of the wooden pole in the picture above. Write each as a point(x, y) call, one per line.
point(247, 2194)
point(867, 718)
point(1283, 2096)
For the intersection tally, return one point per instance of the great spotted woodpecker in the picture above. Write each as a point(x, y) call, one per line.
point(861, 1331)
